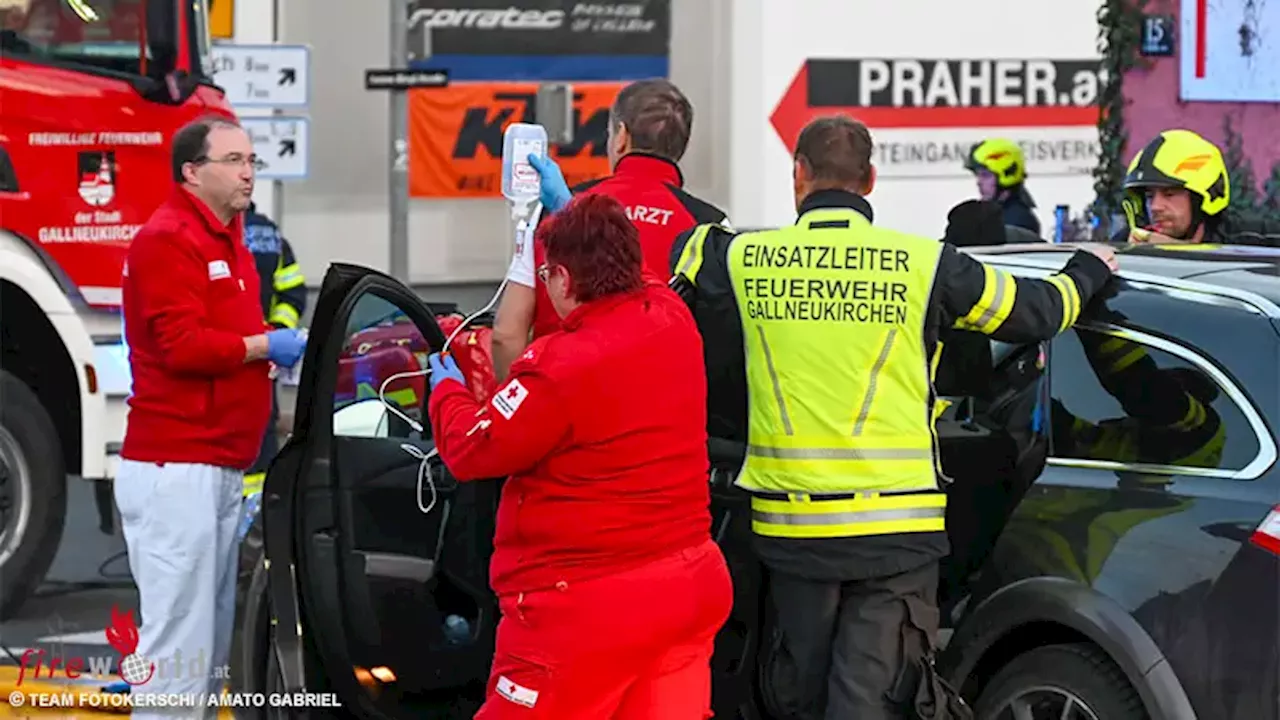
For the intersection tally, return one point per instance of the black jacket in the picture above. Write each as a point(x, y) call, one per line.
point(1236, 230)
point(284, 290)
point(1018, 210)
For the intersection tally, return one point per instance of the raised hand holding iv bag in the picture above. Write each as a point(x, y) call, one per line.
point(520, 181)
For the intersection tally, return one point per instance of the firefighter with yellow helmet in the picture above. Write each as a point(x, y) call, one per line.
point(1177, 190)
point(1001, 170)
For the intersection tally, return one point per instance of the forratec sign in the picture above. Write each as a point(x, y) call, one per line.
point(492, 40)
point(925, 115)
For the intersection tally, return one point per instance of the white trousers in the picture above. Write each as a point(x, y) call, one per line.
point(180, 524)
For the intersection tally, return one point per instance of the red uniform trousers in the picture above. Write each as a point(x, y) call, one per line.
point(635, 645)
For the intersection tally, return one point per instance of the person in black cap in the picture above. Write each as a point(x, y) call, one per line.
point(974, 223)
point(965, 364)
point(284, 300)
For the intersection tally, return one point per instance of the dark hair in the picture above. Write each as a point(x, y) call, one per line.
point(836, 150)
point(191, 142)
point(657, 115)
point(593, 239)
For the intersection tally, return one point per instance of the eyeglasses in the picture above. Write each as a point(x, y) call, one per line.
point(544, 272)
point(232, 159)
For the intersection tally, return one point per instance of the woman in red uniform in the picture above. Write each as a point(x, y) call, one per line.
point(610, 586)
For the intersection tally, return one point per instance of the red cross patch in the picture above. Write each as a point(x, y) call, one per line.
point(509, 399)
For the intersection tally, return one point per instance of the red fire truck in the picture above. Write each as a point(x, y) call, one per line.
point(92, 89)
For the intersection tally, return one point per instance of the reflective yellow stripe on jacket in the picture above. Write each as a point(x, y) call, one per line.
point(285, 278)
point(284, 315)
point(840, 439)
point(690, 261)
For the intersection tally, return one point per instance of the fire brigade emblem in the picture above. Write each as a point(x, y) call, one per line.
point(98, 177)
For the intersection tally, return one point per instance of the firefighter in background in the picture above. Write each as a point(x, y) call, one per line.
point(1177, 191)
point(284, 300)
point(1001, 170)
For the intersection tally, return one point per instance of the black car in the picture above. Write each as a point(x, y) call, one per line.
point(1109, 561)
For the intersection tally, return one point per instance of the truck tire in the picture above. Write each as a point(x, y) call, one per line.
point(1048, 678)
point(33, 493)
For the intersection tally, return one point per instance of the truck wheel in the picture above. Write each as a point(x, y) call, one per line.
point(1072, 682)
point(33, 493)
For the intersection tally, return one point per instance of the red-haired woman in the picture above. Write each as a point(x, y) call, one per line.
point(610, 586)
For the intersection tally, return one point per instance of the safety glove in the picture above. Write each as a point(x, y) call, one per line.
point(553, 191)
point(444, 368)
point(285, 347)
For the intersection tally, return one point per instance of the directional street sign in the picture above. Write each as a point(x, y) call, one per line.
point(264, 76)
point(281, 144)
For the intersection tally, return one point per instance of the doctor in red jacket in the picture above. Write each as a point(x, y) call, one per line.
point(611, 588)
point(199, 354)
point(650, 124)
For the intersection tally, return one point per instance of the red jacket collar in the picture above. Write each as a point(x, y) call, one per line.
point(185, 199)
point(650, 167)
point(585, 311)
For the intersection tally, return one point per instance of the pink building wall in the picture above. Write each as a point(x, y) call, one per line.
point(1153, 106)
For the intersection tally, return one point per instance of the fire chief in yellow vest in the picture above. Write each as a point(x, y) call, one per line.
point(821, 344)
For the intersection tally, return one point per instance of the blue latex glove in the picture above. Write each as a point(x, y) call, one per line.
point(441, 370)
point(285, 347)
point(553, 191)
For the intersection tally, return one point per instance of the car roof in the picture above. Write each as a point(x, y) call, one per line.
point(1232, 268)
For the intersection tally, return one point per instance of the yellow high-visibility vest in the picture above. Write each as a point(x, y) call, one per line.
point(841, 435)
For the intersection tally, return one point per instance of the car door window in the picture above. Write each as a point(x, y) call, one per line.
point(382, 365)
point(1121, 399)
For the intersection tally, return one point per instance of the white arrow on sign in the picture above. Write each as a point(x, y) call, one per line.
point(281, 144)
point(263, 76)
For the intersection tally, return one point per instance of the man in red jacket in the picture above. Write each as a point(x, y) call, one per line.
point(606, 513)
point(199, 352)
point(649, 128)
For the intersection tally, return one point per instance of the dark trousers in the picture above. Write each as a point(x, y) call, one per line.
point(854, 649)
point(270, 442)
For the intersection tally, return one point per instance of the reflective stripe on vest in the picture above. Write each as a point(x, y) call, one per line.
point(871, 514)
point(690, 260)
point(833, 312)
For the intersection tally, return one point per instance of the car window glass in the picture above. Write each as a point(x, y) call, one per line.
point(384, 352)
point(1123, 401)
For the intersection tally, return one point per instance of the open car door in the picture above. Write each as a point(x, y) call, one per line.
point(377, 559)
point(993, 437)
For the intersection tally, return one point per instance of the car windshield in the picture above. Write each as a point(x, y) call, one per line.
point(102, 34)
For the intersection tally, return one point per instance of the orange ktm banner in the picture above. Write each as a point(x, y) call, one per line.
point(455, 136)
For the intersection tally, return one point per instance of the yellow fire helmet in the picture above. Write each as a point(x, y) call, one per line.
point(1180, 159)
point(1002, 158)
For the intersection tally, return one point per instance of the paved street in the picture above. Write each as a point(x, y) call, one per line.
point(89, 576)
